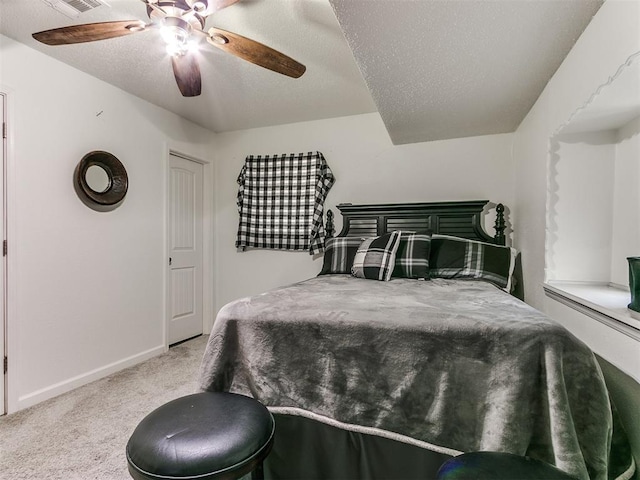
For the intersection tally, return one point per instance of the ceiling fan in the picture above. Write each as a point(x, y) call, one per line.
point(182, 25)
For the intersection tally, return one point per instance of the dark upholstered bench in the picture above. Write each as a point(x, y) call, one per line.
point(498, 466)
point(209, 435)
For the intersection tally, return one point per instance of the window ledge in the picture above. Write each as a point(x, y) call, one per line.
point(602, 302)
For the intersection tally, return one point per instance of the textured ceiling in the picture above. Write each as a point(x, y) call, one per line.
point(433, 69)
point(447, 68)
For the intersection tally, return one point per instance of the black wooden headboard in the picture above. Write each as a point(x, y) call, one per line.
point(461, 219)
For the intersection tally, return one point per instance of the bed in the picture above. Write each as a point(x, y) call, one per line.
point(388, 377)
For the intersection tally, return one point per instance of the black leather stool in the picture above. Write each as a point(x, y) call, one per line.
point(498, 466)
point(208, 435)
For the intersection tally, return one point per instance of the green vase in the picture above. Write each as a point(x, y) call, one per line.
point(634, 283)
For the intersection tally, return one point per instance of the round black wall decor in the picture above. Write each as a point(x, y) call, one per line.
point(101, 181)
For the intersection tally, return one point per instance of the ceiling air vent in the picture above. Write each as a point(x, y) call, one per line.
point(73, 8)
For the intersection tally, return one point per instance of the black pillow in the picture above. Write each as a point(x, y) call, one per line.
point(455, 257)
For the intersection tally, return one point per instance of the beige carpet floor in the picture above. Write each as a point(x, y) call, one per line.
point(82, 434)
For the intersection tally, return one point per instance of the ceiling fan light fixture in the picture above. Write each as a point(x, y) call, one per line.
point(176, 33)
point(176, 50)
point(179, 50)
point(178, 21)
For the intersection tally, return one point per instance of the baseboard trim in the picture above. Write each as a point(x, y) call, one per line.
point(59, 388)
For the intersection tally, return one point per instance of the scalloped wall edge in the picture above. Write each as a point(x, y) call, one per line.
point(627, 63)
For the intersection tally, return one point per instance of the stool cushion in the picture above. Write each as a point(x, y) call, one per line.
point(204, 435)
point(498, 466)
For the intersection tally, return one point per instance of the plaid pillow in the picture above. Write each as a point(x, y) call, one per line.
point(376, 257)
point(412, 257)
point(339, 253)
point(455, 257)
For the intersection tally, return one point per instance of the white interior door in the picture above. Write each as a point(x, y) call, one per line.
point(185, 249)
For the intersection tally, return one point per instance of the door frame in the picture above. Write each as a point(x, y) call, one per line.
point(11, 326)
point(208, 290)
point(4, 397)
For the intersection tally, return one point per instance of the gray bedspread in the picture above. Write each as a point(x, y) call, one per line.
point(452, 366)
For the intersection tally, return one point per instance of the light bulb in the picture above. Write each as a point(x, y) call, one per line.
point(176, 50)
point(176, 33)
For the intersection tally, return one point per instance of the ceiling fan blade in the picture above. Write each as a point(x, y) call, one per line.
point(255, 52)
point(187, 73)
point(89, 32)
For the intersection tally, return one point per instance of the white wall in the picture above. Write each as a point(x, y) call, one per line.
point(626, 202)
point(581, 180)
point(593, 201)
point(368, 169)
point(86, 288)
point(611, 38)
point(593, 221)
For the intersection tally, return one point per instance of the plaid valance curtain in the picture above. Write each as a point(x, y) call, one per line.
point(281, 201)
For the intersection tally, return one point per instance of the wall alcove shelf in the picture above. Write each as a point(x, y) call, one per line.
point(593, 202)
